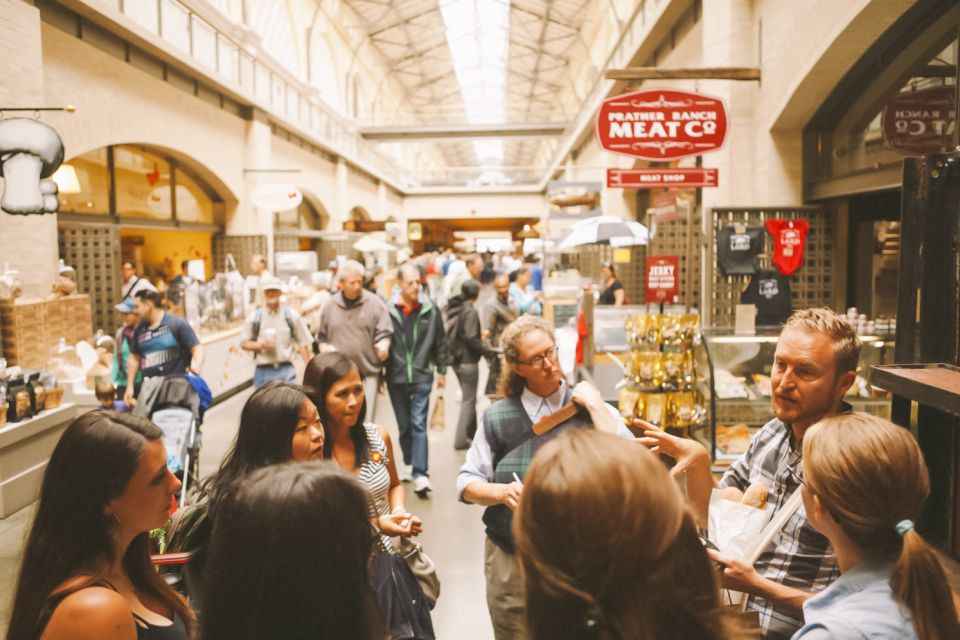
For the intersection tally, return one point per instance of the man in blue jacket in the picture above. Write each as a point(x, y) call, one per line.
point(418, 348)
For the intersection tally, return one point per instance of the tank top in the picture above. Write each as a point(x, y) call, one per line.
point(375, 477)
point(176, 630)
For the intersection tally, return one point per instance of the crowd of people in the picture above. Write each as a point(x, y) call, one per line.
point(304, 531)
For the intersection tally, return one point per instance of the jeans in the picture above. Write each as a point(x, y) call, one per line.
point(410, 402)
point(469, 377)
point(264, 373)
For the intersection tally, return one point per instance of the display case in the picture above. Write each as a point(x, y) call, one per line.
point(740, 387)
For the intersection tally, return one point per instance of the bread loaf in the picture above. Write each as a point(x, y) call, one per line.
point(755, 495)
point(731, 493)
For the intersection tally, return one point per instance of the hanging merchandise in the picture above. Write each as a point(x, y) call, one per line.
point(789, 238)
point(770, 292)
point(738, 248)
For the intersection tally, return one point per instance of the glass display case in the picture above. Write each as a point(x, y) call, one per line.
point(740, 387)
point(213, 306)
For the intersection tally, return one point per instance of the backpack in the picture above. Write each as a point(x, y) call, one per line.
point(451, 327)
point(288, 318)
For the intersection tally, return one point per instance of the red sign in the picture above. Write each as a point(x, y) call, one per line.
point(663, 277)
point(663, 207)
point(919, 122)
point(661, 124)
point(660, 178)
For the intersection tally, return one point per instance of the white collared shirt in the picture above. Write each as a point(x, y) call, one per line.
point(479, 463)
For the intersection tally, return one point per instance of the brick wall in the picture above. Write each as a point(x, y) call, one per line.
point(28, 243)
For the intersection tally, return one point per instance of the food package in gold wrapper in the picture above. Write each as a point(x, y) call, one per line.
point(627, 402)
point(647, 369)
point(654, 408)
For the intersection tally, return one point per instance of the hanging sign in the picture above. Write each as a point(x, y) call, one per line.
point(660, 178)
point(661, 124)
point(919, 122)
point(276, 197)
point(663, 278)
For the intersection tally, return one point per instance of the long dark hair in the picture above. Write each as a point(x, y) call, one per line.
point(265, 436)
point(288, 558)
point(71, 536)
point(581, 583)
point(322, 372)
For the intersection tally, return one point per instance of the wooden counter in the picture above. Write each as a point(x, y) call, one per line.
point(25, 449)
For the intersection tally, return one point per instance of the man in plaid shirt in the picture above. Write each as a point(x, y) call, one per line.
point(814, 366)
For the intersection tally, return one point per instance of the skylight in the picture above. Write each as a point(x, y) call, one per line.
point(478, 36)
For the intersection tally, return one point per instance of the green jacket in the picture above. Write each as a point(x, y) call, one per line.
point(414, 360)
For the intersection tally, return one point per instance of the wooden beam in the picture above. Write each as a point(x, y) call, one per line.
point(661, 73)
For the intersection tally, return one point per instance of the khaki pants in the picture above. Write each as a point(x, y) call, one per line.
point(504, 592)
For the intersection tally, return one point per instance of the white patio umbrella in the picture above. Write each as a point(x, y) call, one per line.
point(611, 230)
point(370, 244)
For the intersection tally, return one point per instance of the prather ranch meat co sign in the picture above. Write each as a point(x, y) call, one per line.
point(661, 124)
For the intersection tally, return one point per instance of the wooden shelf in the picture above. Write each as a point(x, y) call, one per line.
point(935, 385)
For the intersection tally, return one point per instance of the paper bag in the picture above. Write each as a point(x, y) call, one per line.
point(438, 417)
point(735, 527)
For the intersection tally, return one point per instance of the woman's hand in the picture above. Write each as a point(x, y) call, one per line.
point(399, 524)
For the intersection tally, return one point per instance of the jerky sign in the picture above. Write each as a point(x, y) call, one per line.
point(661, 124)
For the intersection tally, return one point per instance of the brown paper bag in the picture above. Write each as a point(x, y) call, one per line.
point(438, 417)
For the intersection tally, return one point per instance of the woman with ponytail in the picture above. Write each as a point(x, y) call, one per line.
point(608, 548)
point(865, 483)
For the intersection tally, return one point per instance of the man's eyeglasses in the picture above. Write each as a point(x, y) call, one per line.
point(540, 360)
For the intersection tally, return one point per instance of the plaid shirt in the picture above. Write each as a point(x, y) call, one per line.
point(798, 556)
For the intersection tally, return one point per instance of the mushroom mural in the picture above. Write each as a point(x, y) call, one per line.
point(30, 152)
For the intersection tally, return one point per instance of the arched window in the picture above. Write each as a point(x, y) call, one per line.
point(137, 182)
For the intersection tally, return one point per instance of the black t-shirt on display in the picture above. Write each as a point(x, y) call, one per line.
point(607, 295)
point(737, 252)
point(770, 292)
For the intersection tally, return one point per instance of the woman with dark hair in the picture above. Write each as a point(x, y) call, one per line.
point(613, 292)
point(522, 294)
point(645, 577)
point(86, 571)
point(278, 423)
point(288, 558)
point(465, 342)
point(334, 383)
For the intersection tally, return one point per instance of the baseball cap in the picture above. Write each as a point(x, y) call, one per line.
point(126, 306)
point(272, 283)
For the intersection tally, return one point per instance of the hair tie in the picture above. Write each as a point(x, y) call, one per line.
point(594, 618)
point(904, 526)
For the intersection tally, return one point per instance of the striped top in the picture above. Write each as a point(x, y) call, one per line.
point(375, 477)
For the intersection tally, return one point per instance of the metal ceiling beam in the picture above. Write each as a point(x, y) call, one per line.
point(705, 73)
point(447, 132)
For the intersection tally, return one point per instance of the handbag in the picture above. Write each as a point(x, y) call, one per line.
point(422, 567)
point(403, 606)
point(438, 417)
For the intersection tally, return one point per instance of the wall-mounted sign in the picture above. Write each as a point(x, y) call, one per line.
point(661, 124)
point(661, 178)
point(276, 197)
point(414, 231)
point(663, 207)
point(919, 122)
point(663, 278)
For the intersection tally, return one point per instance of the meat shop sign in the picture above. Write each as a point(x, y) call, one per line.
point(661, 125)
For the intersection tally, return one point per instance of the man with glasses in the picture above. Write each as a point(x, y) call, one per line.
point(814, 366)
point(533, 388)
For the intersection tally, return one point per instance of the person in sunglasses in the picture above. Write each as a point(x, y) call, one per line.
point(532, 387)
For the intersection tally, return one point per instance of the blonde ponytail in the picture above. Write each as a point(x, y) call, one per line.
point(918, 581)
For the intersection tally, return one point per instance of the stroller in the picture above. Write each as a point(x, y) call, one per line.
point(175, 407)
point(172, 404)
